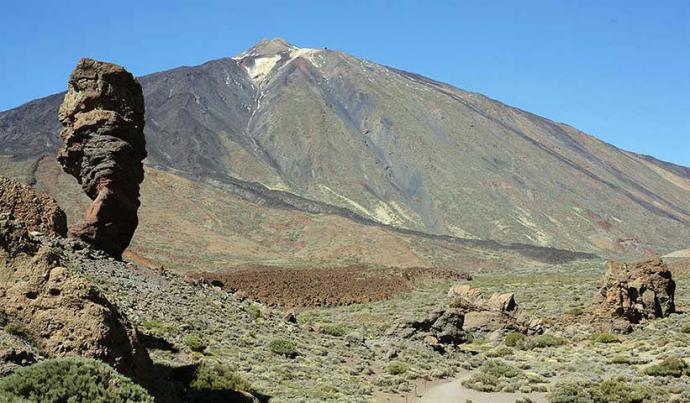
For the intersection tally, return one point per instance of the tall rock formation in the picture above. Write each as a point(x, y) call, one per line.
point(102, 116)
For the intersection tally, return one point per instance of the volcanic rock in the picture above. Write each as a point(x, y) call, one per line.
point(102, 116)
point(636, 291)
point(63, 313)
point(463, 295)
point(37, 212)
point(470, 314)
point(445, 326)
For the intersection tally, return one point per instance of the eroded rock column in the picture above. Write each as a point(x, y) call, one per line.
point(103, 132)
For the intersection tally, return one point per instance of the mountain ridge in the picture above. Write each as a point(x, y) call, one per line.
point(397, 148)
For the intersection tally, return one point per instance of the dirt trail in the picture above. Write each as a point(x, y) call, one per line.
point(454, 392)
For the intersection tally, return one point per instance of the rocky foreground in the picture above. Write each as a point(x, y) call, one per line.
point(357, 352)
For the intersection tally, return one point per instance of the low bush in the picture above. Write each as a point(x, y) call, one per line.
point(605, 338)
point(158, 328)
point(685, 328)
point(619, 391)
point(499, 369)
point(195, 343)
point(283, 347)
point(255, 311)
point(500, 351)
point(212, 375)
point(334, 330)
point(514, 338)
point(611, 390)
point(68, 380)
point(493, 376)
point(543, 341)
point(397, 368)
point(671, 366)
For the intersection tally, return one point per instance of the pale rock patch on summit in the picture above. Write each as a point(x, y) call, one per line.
point(261, 68)
point(268, 56)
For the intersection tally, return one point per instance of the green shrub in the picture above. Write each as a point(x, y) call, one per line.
point(493, 376)
point(543, 340)
point(671, 366)
point(605, 338)
point(621, 359)
point(571, 392)
point(499, 369)
point(212, 375)
point(500, 351)
point(195, 343)
point(255, 311)
point(283, 347)
point(514, 338)
point(397, 368)
point(68, 380)
point(334, 330)
point(618, 391)
point(611, 390)
point(158, 328)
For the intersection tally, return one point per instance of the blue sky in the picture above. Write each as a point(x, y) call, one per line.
point(617, 69)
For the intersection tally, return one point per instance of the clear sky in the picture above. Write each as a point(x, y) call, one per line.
point(617, 69)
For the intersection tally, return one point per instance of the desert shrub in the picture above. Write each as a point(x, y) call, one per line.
point(621, 359)
point(493, 376)
point(671, 366)
point(195, 342)
point(211, 375)
point(68, 380)
point(571, 392)
point(14, 330)
point(397, 368)
point(158, 328)
point(685, 328)
point(500, 351)
point(334, 330)
point(618, 391)
point(283, 347)
point(611, 390)
point(499, 369)
point(542, 341)
point(514, 338)
point(605, 338)
point(255, 311)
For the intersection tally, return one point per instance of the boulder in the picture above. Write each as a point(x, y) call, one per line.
point(465, 296)
point(636, 291)
point(102, 116)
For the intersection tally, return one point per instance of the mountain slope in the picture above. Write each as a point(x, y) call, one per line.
point(393, 147)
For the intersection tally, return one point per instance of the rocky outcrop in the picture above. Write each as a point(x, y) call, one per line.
point(37, 212)
point(633, 292)
point(103, 121)
point(470, 314)
point(497, 313)
point(62, 313)
point(14, 237)
point(442, 326)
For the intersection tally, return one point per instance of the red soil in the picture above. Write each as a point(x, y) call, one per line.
point(324, 287)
